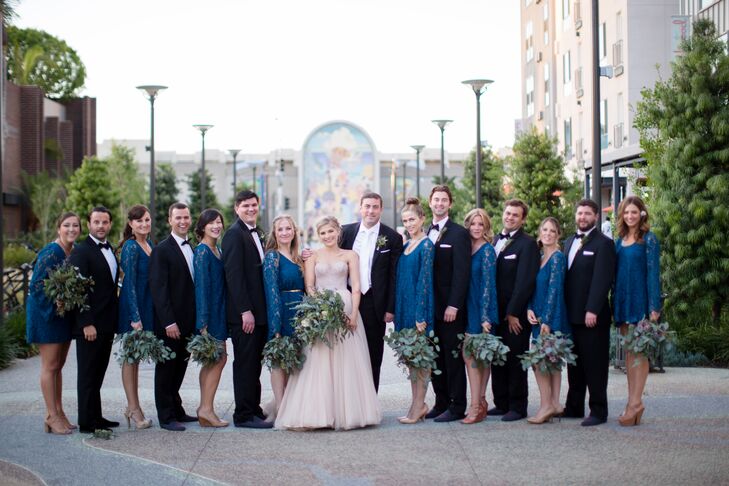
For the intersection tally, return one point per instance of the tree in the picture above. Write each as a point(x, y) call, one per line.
point(124, 176)
point(193, 187)
point(46, 195)
point(537, 176)
point(89, 187)
point(36, 57)
point(229, 211)
point(684, 127)
point(7, 10)
point(492, 182)
point(166, 194)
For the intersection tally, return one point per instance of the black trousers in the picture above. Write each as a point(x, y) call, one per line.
point(450, 385)
point(168, 377)
point(374, 328)
point(509, 383)
point(247, 355)
point(592, 347)
point(92, 360)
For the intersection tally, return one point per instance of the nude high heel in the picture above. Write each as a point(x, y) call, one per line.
point(55, 425)
point(409, 421)
point(631, 417)
point(136, 416)
point(211, 421)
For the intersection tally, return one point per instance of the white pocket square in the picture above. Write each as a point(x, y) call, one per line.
point(384, 251)
point(510, 257)
point(444, 245)
point(588, 253)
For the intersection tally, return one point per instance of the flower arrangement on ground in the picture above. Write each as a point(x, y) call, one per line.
point(140, 345)
point(321, 318)
point(548, 353)
point(68, 288)
point(485, 349)
point(285, 353)
point(204, 349)
point(414, 351)
point(647, 338)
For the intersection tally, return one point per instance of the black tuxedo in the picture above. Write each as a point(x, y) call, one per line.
point(380, 298)
point(173, 295)
point(93, 356)
point(516, 275)
point(451, 276)
point(244, 283)
point(587, 285)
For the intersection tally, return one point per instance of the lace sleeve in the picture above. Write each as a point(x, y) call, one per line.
point(47, 260)
point(424, 290)
point(555, 288)
point(203, 286)
point(653, 277)
point(273, 297)
point(129, 259)
point(489, 309)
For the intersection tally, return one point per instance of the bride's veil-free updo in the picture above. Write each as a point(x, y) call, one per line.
point(328, 220)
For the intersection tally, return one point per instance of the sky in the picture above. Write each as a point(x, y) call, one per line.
point(266, 73)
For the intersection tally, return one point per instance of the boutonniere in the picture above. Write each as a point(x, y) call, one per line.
point(261, 235)
point(584, 240)
point(506, 245)
point(441, 233)
point(381, 242)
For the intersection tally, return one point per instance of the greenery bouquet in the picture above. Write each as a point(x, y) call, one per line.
point(204, 349)
point(140, 345)
point(485, 349)
point(321, 318)
point(68, 288)
point(285, 353)
point(548, 353)
point(646, 338)
point(414, 351)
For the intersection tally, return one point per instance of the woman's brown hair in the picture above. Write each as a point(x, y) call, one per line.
point(643, 225)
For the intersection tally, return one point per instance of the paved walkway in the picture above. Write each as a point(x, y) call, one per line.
point(684, 439)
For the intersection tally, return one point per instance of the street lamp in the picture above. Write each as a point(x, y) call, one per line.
point(418, 149)
point(479, 86)
point(442, 124)
point(234, 153)
point(404, 186)
point(393, 181)
point(151, 90)
point(203, 129)
point(254, 165)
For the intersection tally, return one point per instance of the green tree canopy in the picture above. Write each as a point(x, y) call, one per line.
point(124, 176)
point(492, 183)
point(166, 194)
point(89, 187)
point(46, 195)
point(193, 186)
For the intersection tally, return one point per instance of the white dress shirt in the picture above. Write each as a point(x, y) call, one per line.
point(187, 252)
point(364, 245)
point(109, 255)
point(434, 233)
point(576, 245)
point(256, 240)
point(503, 241)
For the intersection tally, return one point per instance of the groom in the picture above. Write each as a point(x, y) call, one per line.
point(379, 247)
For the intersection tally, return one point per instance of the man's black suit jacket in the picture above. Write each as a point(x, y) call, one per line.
point(590, 278)
point(384, 265)
point(103, 300)
point(451, 269)
point(243, 275)
point(516, 275)
point(172, 288)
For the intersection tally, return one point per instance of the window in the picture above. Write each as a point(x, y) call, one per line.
point(546, 32)
point(530, 95)
point(546, 11)
point(618, 26)
point(568, 138)
point(546, 85)
point(566, 71)
point(529, 41)
point(602, 41)
point(566, 9)
point(619, 108)
point(528, 2)
point(603, 124)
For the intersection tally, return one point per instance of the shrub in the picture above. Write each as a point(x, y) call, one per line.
point(15, 324)
point(8, 347)
point(14, 256)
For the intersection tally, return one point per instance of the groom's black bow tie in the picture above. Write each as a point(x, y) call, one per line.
point(434, 227)
point(579, 236)
point(104, 245)
point(186, 242)
point(503, 236)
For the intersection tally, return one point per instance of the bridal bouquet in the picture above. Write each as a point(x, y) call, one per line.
point(204, 349)
point(140, 345)
point(647, 338)
point(548, 353)
point(68, 288)
point(485, 349)
point(285, 353)
point(321, 318)
point(414, 351)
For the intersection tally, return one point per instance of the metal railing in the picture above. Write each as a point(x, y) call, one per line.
point(15, 286)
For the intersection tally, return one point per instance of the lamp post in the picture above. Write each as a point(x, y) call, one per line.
point(442, 124)
point(478, 86)
point(151, 91)
point(234, 153)
point(418, 149)
point(393, 181)
point(203, 130)
point(596, 148)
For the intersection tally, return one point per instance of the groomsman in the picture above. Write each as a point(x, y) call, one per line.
point(246, 309)
point(379, 247)
point(171, 282)
point(451, 274)
point(517, 265)
point(94, 329)
point(590, 274)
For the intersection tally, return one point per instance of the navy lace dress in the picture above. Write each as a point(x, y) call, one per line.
point(209, 292)
point(135, 299)
point(284, 286)
point(637, 290)
point(548, 300)
point(42, 324)
point(414, 287)
point(481, 303)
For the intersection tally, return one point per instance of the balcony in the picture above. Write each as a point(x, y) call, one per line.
point(717, 12)
point(618, 68)
point(579, 93)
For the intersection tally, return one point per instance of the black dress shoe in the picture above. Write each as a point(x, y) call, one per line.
point(448, 416)
point(90, 430)
point(254, 423)
point(433, 413)
point(186, 418)
point(108, 423)
point(591, 420)
point(173, 426)
point(572, 414)
point(512, 416)
point(496, 411)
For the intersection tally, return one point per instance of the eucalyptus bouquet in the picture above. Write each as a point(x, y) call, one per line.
point(646, 338)
point(140, 345)
point(321, 318)
point(548, 353)
point(285, 353)
point(485, 349)
point(204, 349)
point(414, 351)
point(68, 288)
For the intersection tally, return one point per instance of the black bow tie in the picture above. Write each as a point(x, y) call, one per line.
point(434, 227)
point(104, 245)
point(186, 242)
point(506, 236)
point(579, 236)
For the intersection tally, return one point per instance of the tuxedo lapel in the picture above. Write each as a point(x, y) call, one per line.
point(248, 238)
point(101, 259)
point(182, 261)
point(377, 251)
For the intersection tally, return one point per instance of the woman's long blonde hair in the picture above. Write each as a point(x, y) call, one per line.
point(272, 243)
point(488, 231)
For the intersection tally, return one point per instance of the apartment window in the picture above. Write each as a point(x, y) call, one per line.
point(529, 35)
point(566, 73)
point(546, 85)
point(530, 95)
point(528, 2)
point(546, 11)
point(619, 108)
point(568, 138)
point(618, 26)
point(566, 9)
point(602, 41)
point(603, 124)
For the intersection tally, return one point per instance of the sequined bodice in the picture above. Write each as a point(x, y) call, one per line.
point(331, 275)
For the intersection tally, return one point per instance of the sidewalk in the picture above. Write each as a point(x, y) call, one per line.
point(683, 439)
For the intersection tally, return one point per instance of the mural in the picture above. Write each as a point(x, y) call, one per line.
point(338, 166)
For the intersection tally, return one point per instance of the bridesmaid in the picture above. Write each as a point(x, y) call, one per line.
point(210, 308)
point(481, 305)
point(637, 292)
point(414, 296)
point(283, 278)
point(548, 306)
point(45, 328)
point(135, 301)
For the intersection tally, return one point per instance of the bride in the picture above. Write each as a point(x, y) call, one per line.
point(335, 387)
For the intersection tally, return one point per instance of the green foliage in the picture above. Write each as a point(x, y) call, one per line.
point(414, 351)
point(166, 194)
point(15, 325)
point(37, 58)
point(646, 339)
point(130, 184)
point(47, 196)
point(205, 350)
point(139, 345)
point(492, 183)
point(537, 175)
point(8, 347)
point(229, 209)
point(684, 128)
point(89, 187)
point(548, 353)
point(68, 288)
point(708, 340)
point(7, 10)
point(485, 349)
point(14, 256)
point(193, 186)
point(285, 353)
point(321, 318)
